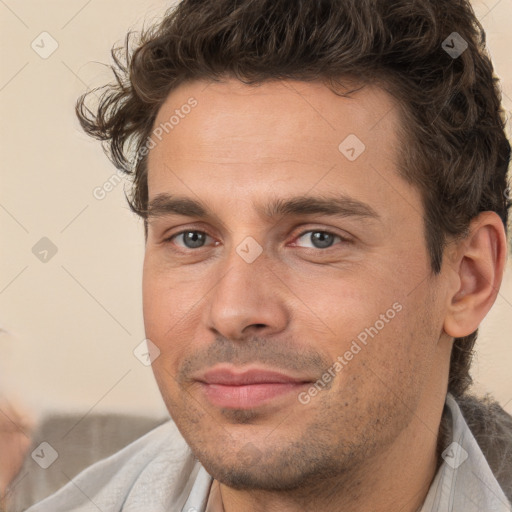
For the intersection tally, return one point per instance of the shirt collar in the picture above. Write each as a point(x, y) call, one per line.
point(464, 482)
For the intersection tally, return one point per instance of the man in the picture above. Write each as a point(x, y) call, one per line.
point(324, 191)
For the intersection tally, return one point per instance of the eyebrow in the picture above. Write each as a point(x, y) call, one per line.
point(339, 206)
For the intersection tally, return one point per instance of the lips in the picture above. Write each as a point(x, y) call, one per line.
point(247, 389)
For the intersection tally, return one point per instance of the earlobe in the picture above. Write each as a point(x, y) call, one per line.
point(479, 270)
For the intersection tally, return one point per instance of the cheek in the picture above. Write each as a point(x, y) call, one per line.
point(381, 334)
point(169, 314)
point(356, 307)
point(399, 357)
point(379, 376)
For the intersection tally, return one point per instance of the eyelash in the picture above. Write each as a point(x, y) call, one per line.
point(342, 239)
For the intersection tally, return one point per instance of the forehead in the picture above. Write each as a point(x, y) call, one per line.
point(273, 119)
point(276, 138)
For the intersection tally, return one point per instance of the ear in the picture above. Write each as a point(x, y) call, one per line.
point(476, 266)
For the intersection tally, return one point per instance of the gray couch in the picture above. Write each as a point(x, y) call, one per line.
point(78, 442)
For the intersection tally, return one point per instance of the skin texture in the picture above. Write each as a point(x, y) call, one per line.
point(366, 441)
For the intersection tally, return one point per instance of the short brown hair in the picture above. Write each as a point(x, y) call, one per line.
point(454, 145)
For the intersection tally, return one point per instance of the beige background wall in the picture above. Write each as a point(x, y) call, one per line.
point(72, 322)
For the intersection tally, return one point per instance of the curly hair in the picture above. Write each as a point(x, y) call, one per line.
point(454, 148)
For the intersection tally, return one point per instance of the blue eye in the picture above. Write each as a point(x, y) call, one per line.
point(191, 239)
point(320, 239)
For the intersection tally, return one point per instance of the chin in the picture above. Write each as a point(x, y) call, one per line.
point(286, 469)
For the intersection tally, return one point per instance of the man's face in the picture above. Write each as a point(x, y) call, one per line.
point(253, 300)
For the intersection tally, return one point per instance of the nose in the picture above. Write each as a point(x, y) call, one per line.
point(247, 300)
